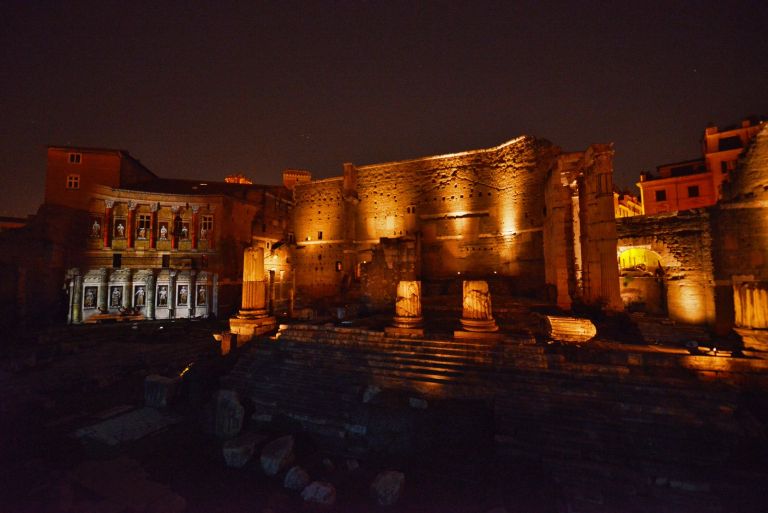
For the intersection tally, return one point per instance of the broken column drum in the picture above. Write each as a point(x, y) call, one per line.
point(477, 314)
point(408, 304)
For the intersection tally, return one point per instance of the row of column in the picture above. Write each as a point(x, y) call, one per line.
point(138, 292)
point(476, 316)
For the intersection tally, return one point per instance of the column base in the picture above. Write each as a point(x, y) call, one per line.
point(256, 313)
point(479, 325)
point(481, 335)
point(247, 328)
point(405, 326)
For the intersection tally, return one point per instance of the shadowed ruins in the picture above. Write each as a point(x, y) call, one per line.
point(465, 332)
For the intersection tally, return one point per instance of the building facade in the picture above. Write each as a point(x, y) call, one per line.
point(131, 244)
point(480, 213)
point(698, 183)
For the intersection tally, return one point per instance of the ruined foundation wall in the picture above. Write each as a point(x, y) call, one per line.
point(478, 210)
point(741, 229)
point(684, 244)
point(320, 260)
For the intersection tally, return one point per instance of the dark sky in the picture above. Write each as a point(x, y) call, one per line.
point(205, 89)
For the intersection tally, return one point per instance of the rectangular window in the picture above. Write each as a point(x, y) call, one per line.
point(143, 226)
point(75, 158)
point(73, 181)
point(117, 260)
point(661, 195)
point(319, 235)
point(206, 226)
point(166, 261)
point(693, 191)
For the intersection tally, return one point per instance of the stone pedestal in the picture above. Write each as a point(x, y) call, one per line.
point(252, 319)
point(477, 315)
point(407, 320)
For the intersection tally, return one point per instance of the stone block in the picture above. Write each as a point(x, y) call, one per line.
point(569, 329)
point(238, 451)
point(277, 455)
point(229, 414)
point(387, 488)
point(319, 492)
point(159, 391)
point(296, 479)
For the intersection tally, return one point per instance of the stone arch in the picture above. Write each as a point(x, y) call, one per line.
point(641, 278)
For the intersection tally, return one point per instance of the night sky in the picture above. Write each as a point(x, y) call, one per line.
point(202, 91)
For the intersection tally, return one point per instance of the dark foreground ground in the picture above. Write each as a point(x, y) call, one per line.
point(55, 384)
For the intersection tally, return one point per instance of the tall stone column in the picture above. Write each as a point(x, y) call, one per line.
point(252, 318)
point(408, 319)
point(195, 224)
point(254, 298)
point(477, 314)
point(131, 229)
point(77, 297)
point(150, 295)
point(107, 228)
point(192, 294)
point(153, 224)
point(175, 212)
point(128, 289)
point(172, 294)
point(102, 303)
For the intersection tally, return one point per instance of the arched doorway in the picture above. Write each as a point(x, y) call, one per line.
point(641, 280)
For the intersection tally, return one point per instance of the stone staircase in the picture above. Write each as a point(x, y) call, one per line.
point(617, 428)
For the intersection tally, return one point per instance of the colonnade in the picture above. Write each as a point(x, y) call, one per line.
point(153, 293)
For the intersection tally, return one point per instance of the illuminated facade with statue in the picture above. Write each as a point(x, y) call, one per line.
point(114, 241)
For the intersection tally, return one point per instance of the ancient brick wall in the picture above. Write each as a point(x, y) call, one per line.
point(389, 262)
point(741, 229)
point(478, 211)
point(683, 242)
point(321, 261)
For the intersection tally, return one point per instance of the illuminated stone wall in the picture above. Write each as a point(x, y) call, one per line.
point(684, 244)
point(477, 211)
point(322, 259)
point(742, 231)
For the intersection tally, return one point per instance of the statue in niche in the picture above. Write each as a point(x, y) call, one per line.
point(89, 300)
point(162, 295)
point(201, 293)
point(115, 297)
point(142, 233)
point(139, 296)
point(185, 231)
point(120, 230)
point(163, 232)
point(96, 229)
point(183, 295)
point(203, 234)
